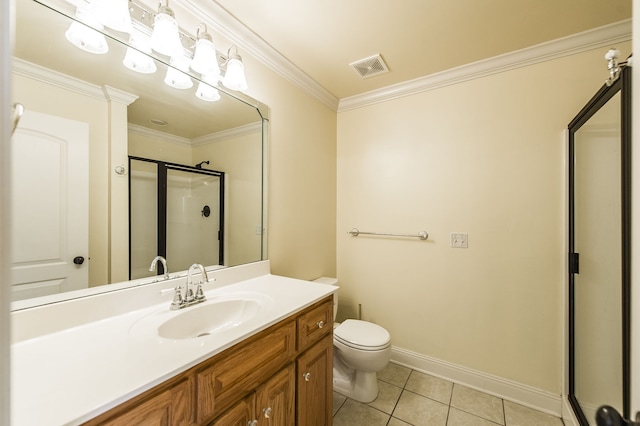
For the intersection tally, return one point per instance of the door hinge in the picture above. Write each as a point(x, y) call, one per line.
point(574, 263)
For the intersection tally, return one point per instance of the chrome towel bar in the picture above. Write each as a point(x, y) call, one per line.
point(422, 234)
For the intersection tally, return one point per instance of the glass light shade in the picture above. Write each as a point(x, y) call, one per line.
point(177, 73)
point(206, 91)
point(205, 60)
point(165, 38)
point(137, 57)
point(114, 14)
point(234, 78)
point(82, 33)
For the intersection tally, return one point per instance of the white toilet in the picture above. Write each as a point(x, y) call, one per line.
point(361, 350)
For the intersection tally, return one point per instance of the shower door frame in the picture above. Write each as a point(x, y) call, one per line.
point(623, 86)
point(162, 173)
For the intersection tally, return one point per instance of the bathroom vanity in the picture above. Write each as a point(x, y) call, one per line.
point(270, 365)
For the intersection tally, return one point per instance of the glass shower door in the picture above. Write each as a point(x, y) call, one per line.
point(177, 212)
point(194, 220)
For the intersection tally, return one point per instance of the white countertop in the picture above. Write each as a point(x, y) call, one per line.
point(70, 376)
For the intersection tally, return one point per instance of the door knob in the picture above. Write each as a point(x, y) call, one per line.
point(609, 416)
point(78, 260)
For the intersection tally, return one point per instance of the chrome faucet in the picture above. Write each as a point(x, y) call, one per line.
point(164, 266)
point(190, 297)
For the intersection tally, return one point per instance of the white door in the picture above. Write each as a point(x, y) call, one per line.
point(50, 209)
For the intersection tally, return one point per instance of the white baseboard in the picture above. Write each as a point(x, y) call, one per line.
point(528, 396)
point(568, 416)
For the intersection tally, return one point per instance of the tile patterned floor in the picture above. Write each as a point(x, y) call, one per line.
point(411, 398)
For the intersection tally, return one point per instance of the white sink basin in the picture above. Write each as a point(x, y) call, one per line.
point(203, 320)
point(218, 314)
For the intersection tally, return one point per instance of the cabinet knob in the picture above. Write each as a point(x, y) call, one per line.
point(320, 324)
point(306, 376)
point(252, 423)
point(267, 412)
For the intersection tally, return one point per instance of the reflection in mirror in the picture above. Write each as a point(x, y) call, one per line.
point(85, 114)
point(598, 365)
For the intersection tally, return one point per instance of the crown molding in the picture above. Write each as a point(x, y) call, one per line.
point(156, 134)
point(234, 30)
point(248, 129)
point(201, 140)
point(54, 78)
point(600, 37)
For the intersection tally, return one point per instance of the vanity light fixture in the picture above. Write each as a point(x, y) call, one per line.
point(137, 57)
point(82, 32)
point(234, 77)
point(114, 14)
point(206, 88)
point(165, 38)
point(205, 59)
point(153, 34)
point(177, 73)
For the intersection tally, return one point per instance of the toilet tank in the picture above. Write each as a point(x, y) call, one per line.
point(330, 281)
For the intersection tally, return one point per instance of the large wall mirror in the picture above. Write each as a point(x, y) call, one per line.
point(86, 116)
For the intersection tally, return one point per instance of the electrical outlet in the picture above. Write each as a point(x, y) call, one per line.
point(459, 240)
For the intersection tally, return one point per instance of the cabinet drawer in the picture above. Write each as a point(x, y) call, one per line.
point(314, 323)
point(171, 406)
point(242, 368)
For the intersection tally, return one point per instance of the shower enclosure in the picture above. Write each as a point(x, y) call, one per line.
point(175, 211)
point(599, 252)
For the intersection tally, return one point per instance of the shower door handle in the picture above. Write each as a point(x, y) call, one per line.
point(78, 260)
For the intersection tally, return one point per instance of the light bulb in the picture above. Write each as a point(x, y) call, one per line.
point(137, 57)
point(234, 78)
point(177, 73)
point(82, 33)
point(205, 60)
point(114, 14)
point(206, 91)
point(165, 38)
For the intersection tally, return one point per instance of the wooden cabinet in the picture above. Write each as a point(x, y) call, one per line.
point(241, 414)
point(167, 404)
point(315, 384)
point(226, 378)
point(281, 376)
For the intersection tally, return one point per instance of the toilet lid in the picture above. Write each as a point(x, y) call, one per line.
point(363, 334)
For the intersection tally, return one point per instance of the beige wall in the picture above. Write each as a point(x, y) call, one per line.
point(485, 157)
point(302, 177)
point(241, 162)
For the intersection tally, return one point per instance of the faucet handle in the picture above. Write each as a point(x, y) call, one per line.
point(178, 301)
point(199, 293)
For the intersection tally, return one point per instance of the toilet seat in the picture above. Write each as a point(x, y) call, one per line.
point(362, 335)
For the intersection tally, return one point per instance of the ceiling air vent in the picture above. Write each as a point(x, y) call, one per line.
point(368, 67)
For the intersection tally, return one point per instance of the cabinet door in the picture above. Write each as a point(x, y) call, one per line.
point(315, 384)
point(275, 404)
point(241, 414)
point(242, 369)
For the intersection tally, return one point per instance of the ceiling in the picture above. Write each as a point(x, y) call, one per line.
point(416, 38)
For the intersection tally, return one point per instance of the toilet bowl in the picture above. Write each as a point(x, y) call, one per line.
point(360, 350)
